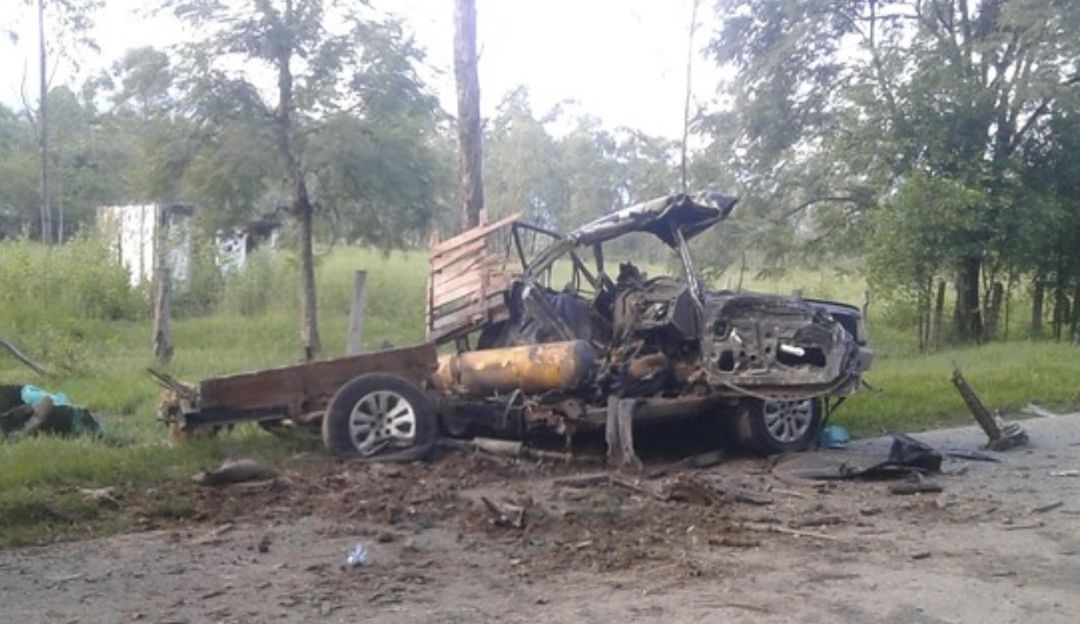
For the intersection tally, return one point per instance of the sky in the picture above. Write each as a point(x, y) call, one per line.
point(623, 61)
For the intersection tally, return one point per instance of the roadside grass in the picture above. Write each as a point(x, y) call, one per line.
point(100, 361)
point(913, 393)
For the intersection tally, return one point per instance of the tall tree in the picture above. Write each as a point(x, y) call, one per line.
point(470, 159)
point(337, 70)
point(852, 99)
point(70, 25)
point(683, 164)
point(524, 169)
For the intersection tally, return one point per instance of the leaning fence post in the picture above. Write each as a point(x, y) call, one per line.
point(356, 314)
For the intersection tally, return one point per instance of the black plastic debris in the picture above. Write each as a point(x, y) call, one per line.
point(904, 456)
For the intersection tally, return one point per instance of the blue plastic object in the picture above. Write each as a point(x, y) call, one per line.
point(32, 395)
point(835, 436)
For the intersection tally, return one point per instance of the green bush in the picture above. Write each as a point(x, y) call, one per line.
point(58, 302)
point(267, 282)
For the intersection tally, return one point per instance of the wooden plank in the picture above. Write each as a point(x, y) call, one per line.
point(443, 333)
point(453, 306)
point(480, 261)
point(466, 316)
point(471, 235)
point(293, 386)
point(438, 262)
point(484, 266)
point(460, 285)
point(473, 265)
point(492, 300)
point(492, 284)
point(483, 275)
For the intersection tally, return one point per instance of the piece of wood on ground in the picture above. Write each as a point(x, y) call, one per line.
point(907, 488)
point(583, 481)
point(505, 514)
point(775, 528)
point(636, 486)
point(733, 604)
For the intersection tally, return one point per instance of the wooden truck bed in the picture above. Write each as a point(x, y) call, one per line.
point(299, 389)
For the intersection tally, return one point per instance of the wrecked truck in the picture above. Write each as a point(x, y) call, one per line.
point(510, 354)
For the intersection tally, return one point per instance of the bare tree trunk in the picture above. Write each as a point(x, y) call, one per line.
point(1061, 302)
point(1038, 290)
point(309, 324)
point(470, 158)
point(302, 209)
point(43, 129)
point(993, 311)
point(939, 312)
point(1008, 303)
point(967, 319)
point(922, 325)
point(689, 90)
point(1074, 325)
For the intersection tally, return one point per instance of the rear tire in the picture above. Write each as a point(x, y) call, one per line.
point(380, 417)
point(771, 427)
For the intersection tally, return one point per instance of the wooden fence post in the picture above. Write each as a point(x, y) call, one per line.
point(356, 314)
point(162, 337)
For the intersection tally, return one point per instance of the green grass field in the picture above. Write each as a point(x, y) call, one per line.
point(101, 359)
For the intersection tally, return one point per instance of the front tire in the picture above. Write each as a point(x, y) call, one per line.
point(771, 427)
point(380, 417)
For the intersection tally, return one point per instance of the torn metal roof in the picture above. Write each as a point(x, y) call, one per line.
point(692, 214)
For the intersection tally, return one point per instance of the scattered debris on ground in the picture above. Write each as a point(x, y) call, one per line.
point(1002, 436)
point(235, 471)
point(905, 456)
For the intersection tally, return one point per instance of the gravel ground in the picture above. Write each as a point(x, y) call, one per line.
point(998, 544)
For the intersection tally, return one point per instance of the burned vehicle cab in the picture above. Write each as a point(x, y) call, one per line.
point(614, 347)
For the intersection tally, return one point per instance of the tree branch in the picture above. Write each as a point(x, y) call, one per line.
point(22, 357)
point(816, 200)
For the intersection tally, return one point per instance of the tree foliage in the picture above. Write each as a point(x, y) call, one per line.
point(851, 117)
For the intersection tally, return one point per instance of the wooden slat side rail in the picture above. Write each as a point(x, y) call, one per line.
point(495, 284)
point(443, 260)
point(491, 301)
point(466, 281)
point(463, 321)
point(470, 235)
point(481, 266)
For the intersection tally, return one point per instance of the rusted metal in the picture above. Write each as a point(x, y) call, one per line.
point(606, 351)
point(293, 391)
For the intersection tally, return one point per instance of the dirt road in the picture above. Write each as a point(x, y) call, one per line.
point(994, 546)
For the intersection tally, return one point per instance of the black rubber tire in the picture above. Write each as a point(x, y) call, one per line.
point(335, 425)
point(752, 434)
